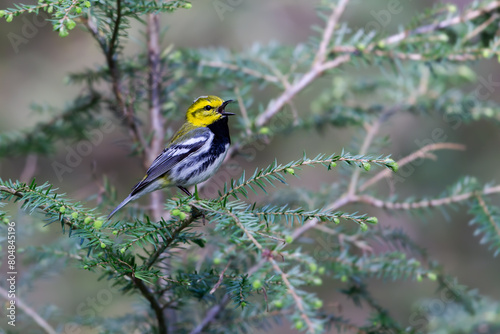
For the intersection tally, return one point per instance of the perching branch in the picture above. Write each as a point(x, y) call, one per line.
point(45, 208)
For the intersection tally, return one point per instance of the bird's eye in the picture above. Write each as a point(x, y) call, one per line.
point(208, 107)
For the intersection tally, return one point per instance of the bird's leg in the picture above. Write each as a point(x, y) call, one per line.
point(203, 219)
point(185, 191)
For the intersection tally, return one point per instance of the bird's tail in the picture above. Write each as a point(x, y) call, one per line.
point(138, 192)
point(122, 204)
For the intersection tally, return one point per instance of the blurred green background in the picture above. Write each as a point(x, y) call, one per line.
point(35, 70)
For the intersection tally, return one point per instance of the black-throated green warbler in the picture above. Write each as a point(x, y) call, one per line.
point(194, 153)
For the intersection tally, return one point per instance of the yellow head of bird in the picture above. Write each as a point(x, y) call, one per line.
point(206, 110)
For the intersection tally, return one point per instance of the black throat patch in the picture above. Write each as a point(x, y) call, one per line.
point(221, 131)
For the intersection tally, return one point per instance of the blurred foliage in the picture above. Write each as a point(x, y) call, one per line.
point(259, 268)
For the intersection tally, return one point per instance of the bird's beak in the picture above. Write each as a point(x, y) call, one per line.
point(223, 106)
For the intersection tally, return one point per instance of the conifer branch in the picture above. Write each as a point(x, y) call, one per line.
point(168, 241)
point(214, 311)
point(45, 199)
point(20, 193)
point(67, 12)
point(301, 215)
point(272, 173)
point(488, 214)
point(247, 233)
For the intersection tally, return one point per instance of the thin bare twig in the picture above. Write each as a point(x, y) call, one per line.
point(41, 322)
point(393, 206)
point(211, 314)
point(328, 32)
point(216, 309)
point(271, 237)
point(480, 28)
point(370, 135)
point(421, 153)
point(472, 14)
point(247, 233)
point(243, 111)
point(29, 168)
point(458, 57)
point(155, 305)
point(318, 67)
point(221, 277)
point(354, 239)
point(246, 70)
point(298, 300)
point(425, 203)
